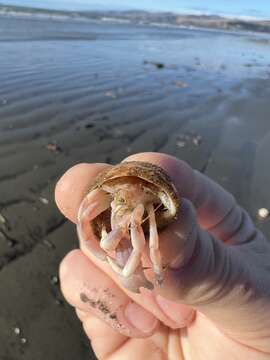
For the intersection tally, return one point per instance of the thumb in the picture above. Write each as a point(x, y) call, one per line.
point(227, 282)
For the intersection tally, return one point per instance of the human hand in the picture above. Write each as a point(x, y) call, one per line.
point(215, 299)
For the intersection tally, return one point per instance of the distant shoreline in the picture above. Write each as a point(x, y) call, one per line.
point(143, 18)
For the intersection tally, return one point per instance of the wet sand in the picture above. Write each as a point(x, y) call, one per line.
point(70, 102)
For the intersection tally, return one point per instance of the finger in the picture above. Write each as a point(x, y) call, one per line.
point(121, 347)
point(154, 347)
point(74, 185)
point(90, 290)
point(228, 284)
point(207, 338)
point(216, 208)
point(104, 339)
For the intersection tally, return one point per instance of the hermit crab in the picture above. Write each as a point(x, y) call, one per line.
point(123, 212)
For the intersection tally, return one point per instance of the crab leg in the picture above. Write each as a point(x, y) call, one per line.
point(121, 255)
point(155, 255)
point(137, 241)
point(94, 204)
point(113, 264)
point(111, 240)
point(119, 231)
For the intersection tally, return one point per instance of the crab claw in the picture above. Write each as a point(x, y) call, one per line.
point(94, 204)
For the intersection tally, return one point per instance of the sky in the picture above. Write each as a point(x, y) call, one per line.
point(248, 8)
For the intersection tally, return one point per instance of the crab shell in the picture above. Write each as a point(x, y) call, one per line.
point(153, 177)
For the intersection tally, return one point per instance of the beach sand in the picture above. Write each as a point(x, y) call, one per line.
point(61, 108)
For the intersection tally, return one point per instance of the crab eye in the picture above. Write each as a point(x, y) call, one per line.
point(121, 201)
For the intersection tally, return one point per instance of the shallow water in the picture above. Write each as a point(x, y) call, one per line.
point(62, 68)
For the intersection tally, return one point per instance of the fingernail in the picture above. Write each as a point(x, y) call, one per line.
point(140, 318)
point(181, 314)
